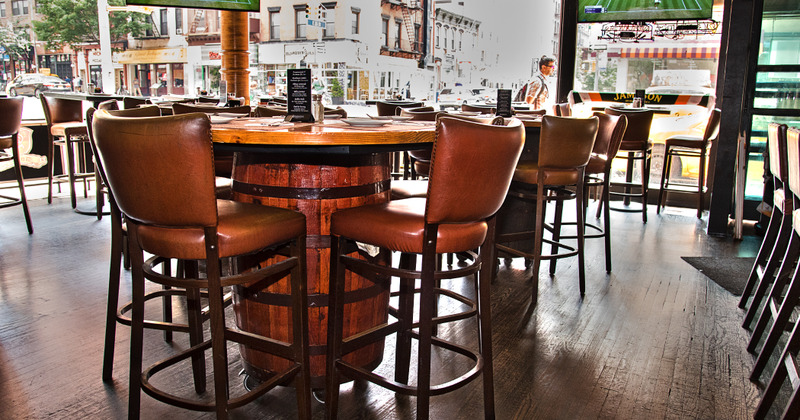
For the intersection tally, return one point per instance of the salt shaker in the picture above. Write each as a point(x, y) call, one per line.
point(317, 109)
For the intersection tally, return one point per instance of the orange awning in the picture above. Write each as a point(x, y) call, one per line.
point(669, 52)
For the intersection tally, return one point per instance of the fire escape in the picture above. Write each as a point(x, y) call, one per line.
point(410, 46)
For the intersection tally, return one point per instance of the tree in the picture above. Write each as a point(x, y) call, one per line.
point(17, 44)
point(74, 22)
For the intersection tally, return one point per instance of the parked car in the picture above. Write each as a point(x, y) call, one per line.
point(33, 84)
point(454, 97)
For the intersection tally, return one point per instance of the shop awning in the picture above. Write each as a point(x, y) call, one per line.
point(669, 52)
point(153, 56)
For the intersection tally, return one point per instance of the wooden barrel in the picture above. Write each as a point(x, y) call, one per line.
point(317, 185)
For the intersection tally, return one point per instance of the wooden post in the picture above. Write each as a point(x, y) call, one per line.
point(235, 53)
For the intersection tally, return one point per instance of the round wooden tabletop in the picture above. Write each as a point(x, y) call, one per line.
point(272, 131)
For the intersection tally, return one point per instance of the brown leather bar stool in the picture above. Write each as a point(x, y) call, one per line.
point(265, 111)
point(563, 109)
point(67, 130)
point(779, 230)
point(119, 251)
point(636, 146)
point(172, 212)
point(389, 108)
point(784, 293)
point(565, 146)
point(610, 131)
point(10, 123)
point(419, 161)
point(457, 216)
point(683, 146)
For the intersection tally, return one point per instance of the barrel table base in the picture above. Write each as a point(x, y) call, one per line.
point(316, 185)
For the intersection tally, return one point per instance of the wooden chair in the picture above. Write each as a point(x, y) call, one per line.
point(787, 364)
point(636, 146)
point(784, 293)
point(130, 102)
point(66, 129)
point(207, 100)
point(457, 216)
point(483, 109)
point(173, 213)
point(565, 147)
point(779, 230)
point(264, 111)
point(10, 124)
point(678, 147)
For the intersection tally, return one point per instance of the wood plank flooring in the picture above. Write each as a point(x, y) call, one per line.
point(655, 339)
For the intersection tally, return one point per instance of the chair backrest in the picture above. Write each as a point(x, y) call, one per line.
point(388, 108)
point(565, 143)
point(483, 109)
point(57, 110)
point(530, 111)
point(793, 159)
point(129, 102)
point(776, 142)
point(108, 105)
point(639, 121)
point(461, 150)
point(171, 161)
point(207, 100)
point(11, 110)
point(335, 111)
point(606, 130)
point(712, 127)
point(179, 108)
point(145, 111)
point(422, 113)
point(262, 111)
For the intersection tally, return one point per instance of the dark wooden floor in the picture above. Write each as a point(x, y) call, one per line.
point(655, 339)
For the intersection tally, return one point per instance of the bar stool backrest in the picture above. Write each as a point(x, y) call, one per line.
point(461, 150)
point(610, 130)
point(776, 141)
point(57, 110)
point(108, 105)
point(712, 128)
point(145, 111)
point(639, 121)
point(566, 142)
point(389, 108)
point(423, 113)
point(793, 159)
point(170, 158)
point(130, 102)
point(11, 110)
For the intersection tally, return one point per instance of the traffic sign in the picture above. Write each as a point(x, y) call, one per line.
point(314, 22)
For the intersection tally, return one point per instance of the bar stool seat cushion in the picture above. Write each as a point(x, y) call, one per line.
point(635, 145)
point(692, 142)
point(243, 228)
point(399, 225)
point(528, 172)
point(409, 188)
point(75, 128)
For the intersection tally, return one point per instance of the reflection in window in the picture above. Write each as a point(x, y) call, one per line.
point(300, 23)
point(19, 7)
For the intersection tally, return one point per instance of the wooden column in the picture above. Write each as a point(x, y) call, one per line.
point(235, 53)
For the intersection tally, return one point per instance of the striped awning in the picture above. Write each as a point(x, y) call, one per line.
point(669, 52)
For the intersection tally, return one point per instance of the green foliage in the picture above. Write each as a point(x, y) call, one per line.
point(336, 89)
point(16, 42)
point(73, 22)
